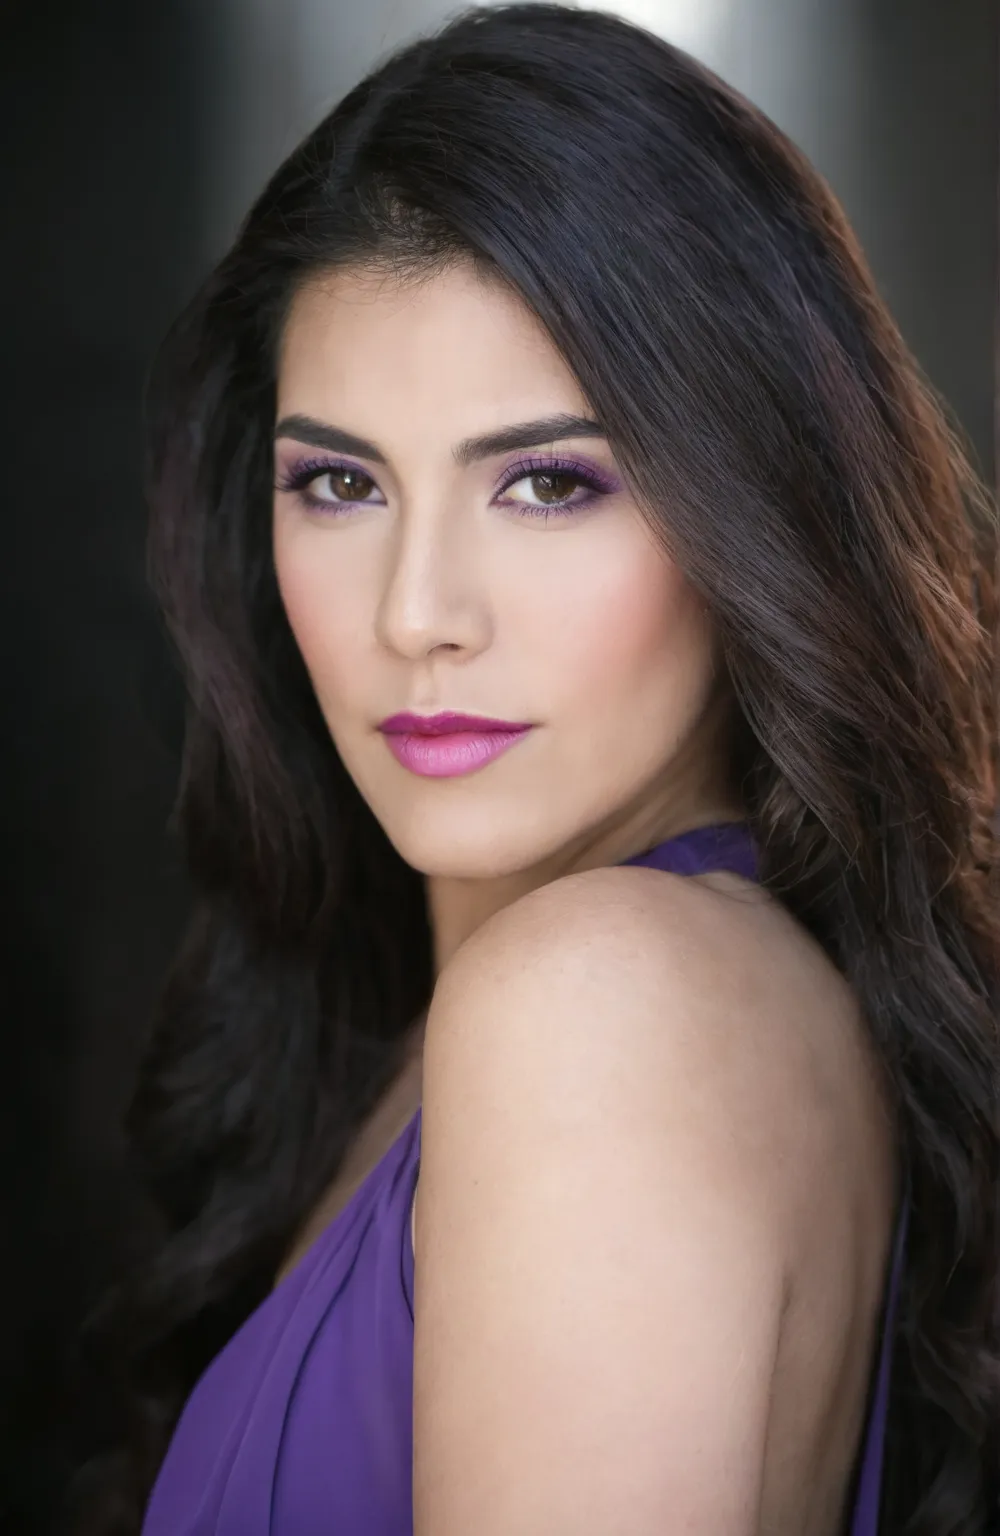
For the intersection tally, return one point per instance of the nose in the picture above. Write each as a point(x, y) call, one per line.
point(433, 597)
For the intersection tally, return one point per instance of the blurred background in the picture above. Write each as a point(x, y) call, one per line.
point(136, 136)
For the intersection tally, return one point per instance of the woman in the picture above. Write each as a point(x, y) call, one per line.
point(570, 1102)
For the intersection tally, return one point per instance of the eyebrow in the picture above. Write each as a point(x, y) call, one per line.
point(526, 434)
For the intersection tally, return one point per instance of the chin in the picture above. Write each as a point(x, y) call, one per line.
point(469, 842)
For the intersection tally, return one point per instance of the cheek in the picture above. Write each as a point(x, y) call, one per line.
point(326, 612)
point(631, 633)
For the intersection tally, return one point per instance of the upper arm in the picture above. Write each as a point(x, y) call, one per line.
point(603, 1222)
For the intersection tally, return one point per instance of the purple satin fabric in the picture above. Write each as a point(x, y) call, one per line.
point(303, 1426)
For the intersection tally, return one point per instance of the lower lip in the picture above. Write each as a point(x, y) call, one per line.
point(444, 757)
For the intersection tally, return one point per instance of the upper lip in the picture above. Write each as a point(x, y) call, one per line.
point(444, 724)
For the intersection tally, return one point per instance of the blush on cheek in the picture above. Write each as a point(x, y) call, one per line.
point(642, 617)
point(296, 598)
point(319, 618)
point(642, 674)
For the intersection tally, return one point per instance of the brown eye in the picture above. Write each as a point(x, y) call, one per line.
point(553, 487)
point(545, 487)
point(345, 484)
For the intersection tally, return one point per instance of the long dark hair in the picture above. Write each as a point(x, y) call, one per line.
point(702, 283)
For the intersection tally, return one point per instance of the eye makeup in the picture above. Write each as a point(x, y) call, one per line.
point(303, 472)
point(588, 484)
point(594, 481)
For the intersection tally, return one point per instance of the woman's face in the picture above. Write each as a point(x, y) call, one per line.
point(451, 534)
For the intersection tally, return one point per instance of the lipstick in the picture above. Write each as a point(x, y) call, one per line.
point(445, 745)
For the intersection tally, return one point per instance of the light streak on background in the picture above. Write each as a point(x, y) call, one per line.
point(698, 26)
point(894, 104)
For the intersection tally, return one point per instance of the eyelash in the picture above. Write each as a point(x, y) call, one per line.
point(302, 473)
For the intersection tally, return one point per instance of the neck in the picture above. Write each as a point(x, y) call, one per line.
point(691, 796)
point(459, 906)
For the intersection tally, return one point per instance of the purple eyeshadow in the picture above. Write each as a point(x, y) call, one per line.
point(590, 477)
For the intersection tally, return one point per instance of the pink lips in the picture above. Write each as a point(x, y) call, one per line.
point(441, 746)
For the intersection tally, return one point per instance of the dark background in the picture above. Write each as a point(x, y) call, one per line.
point(122, 122)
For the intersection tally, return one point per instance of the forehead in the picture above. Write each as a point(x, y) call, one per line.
point(457, 335)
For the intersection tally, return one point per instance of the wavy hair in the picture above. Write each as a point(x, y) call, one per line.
point(703, 284)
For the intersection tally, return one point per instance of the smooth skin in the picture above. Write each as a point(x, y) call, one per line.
point(658, 1172)
point(655, 1198)
point(430, 590)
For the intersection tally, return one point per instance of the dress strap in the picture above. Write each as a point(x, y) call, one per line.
point(869, 1485)
point(725, 845)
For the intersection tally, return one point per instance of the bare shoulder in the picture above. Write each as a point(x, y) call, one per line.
point(660, 923)
point(630, 1102)
point(649, 975)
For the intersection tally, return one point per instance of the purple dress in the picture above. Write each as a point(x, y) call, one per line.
point(303, 1424)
